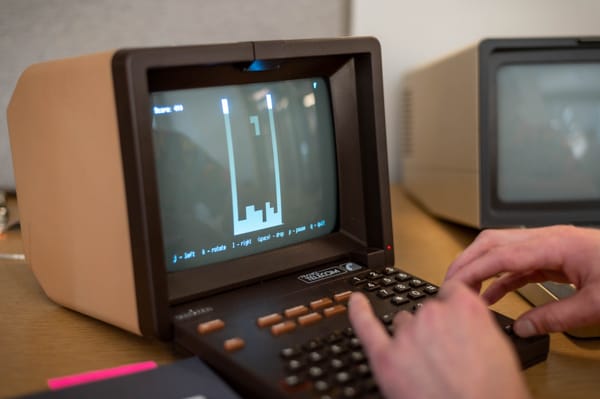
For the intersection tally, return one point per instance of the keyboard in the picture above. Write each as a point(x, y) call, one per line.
point(289, 338)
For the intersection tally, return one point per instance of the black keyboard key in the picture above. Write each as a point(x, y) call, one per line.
point(373, 275)
point(293, 380)
point(431, 289)
point(337, 364)
point(357, 280)
point(316, 372)
point(389, 270)
point(363, 370)
point(350, 392)
point(417, 306)
point(315, 357)
point(343, 377)
point(289, 352)
point(415, 282)
point(386, 281)
point(415, 294)
point(295, 365)
point(357, 357)
point(384, 293)
point(371, 286)
point(313, 345)
point(401, 287)
point(354, 343)
point(321, 386)
point(399, 300)
point(334, 337)
point(337, 349)
point(402, 276)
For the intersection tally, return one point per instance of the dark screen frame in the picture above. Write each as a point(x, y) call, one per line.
point(352, 70)
point(493, 55)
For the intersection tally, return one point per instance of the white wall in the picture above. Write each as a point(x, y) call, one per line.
point(414, 32)
point(38, 30)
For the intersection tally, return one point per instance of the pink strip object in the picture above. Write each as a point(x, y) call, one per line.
point(98, 375)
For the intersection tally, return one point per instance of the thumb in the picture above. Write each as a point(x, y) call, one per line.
point(568, 313)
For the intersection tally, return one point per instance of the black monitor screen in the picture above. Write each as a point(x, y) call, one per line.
point(243, 169)
point(548, 132)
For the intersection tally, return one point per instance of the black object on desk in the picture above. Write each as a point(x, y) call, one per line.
point(189, 378)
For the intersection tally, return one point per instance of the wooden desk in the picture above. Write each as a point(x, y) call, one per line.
point(40, 340)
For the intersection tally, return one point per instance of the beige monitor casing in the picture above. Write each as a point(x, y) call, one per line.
point(441, 137)
point(71, 192)
point(83, 152)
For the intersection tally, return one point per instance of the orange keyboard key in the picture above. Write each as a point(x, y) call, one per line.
point(233, 344)
point(320, 303)
point(342, 296)
point(282, 328)
point(310, 318)
point(210, 326)
point(332, 311)
point(269, 320)
point(296, 311)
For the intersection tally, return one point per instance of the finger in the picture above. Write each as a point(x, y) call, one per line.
point(402, 319)
point(485, 241)
point(566, 314)
point(512, 281)
point(369, 330)
point(521, 257)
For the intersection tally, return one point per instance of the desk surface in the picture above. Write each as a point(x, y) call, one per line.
point(40, 340)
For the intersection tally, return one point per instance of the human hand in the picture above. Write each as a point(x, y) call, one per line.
point(451, 348)
point(563, 254)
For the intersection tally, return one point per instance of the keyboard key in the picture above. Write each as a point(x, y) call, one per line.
point(337, 364)
point(289, 352)
point(295, 365)
point(313, 344)
point(350, 392)
point(336, 349)
point(389, 270)
point(357, 357)
point(334, 337)
point(387, 318)
point(431, 289)
point(320, 303)
point(386, 281)
point(342, 296)
point(363, 370)
point(293, 380)
point(399, 300)
point(234, 344)
point(269, 320)
point(402, 276)
point(415, 282)
point(342, 377)
point(373, 275)
point(296, 311)
point(371, 286)
point(315, 357)
point(210, 326)
point(282, 328)
point(332, 311)
point(321, 386)
point(401, 287)
point(358, 280)
point(316, 372)
point(415, 294)
point(384, 293)
point(309, 319)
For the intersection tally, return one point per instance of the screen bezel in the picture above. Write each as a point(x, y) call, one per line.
point(494, 210)
point(364, 222)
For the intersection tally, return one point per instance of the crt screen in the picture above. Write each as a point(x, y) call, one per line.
point(243, 169)
point(549, 132)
